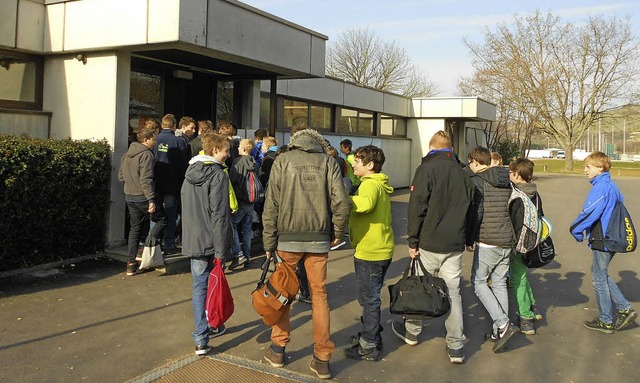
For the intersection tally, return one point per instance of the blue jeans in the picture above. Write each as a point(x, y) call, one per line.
point(369, 281)
point(494, 262)
point(447, 266)
point(243, 218)
point(200, 269)
point(138, 216)
point(170, 202)
point(606, 290)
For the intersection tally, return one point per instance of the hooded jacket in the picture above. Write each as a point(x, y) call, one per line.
point(599, 205)
point(491, 223)
point(370, 230)
point(206, 215)
point(238, 173)
point(171, 155)
point(306, 201)
point(136, 171)
point(441, 193)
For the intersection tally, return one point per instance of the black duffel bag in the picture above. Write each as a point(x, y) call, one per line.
point(424, 295)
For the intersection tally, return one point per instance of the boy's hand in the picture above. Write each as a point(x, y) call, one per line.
point(469, 248)
point(152, 207)
point(414, 253)
point(268, 254)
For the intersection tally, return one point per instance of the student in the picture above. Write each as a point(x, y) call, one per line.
point(257, 152)
point(243, 218)
point(441, 194)
point(136, 171)
point(496, 159)
point(371, 234)
point(207, 226)
point(269, 149)
point(195, 146)
point(492, 231)
point(345, 148)
point(521, 174)
point(598, 207)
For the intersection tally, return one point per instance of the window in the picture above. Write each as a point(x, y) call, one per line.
point(20, 81)
point(354, 121)
point(316, 116)
point(393, 126)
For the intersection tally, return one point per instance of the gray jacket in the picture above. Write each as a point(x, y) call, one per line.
point(306, 202)
point(136, 171)
point(206, 214)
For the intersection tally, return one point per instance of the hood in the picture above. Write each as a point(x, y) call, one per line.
point(308, 140)
point(243, 164)
point(382, 179)
point(496, 176)
point(135, 149)
point(528, 187)
point(201, 169)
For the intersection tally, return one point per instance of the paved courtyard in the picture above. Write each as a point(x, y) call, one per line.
point(88, 322)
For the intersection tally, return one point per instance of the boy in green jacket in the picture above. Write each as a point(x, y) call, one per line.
point(371, 234)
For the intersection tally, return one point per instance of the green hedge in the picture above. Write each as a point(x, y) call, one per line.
point(54, 199)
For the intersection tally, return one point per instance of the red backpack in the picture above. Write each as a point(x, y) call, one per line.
point(219, 304)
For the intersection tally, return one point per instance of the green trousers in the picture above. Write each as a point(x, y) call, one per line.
point(521, 286)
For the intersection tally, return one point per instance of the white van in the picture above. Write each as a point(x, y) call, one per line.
point(561, 154)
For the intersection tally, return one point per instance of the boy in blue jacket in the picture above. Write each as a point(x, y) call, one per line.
point(598, 207)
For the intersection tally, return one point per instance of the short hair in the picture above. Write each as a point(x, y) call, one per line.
point(522, 167)
point(495, 156)
point(347, 144)
point(299, 123)
point(152, 123)
point(168, 121)
point(331, 151)
point(441, 140)
point(212, 141)
point(246, 144)
point(186, 120)
point(204, 126)
point(481, 155)
point(598, 159)
point(260, 134)
point(148, 131)
point(234, 129)
point(370, 153)
point(269, 141)
point(225, 128)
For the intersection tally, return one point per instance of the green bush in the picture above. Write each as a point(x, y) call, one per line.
point(54, 199)
point(509, 150)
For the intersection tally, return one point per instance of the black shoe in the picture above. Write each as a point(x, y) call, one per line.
point(203, 349)
point(401, 332)
point(598, 325)
point(455, 356)
point(356, 352)
point(172, 251)
point(625, 318)
point(320, 367)
point(237, 262)
point(273, 358)
point(355, 339)
point(216, 332)
point(504, 335)
point(132, 268)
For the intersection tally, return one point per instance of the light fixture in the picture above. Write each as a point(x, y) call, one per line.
point(182, 74)
point(82, 58)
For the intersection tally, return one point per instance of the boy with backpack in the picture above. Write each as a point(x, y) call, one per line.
point(371, 234)
point(597, 210)
point(243, 218)
point(521, 174)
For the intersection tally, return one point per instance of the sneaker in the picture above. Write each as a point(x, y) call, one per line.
point(273, 358)
point(172, 251)
point(356, 352)
point(339, 245)
point(132, 268)
point(625, 318)
point(303, 298)
point(237, 262)
point(355, 339)
point(401, 331)
point(321, 368)
point(536, 312)
point(492, 336)
point(203, 349)
point(598, 325)
point(455, 356)
point(526, 326)
point(504, 335)
point(216, 332)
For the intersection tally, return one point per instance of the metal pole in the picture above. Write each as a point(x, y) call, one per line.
point(624, 136)
point(599, 138)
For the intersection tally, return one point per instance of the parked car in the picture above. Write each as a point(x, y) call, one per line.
point(561, 154)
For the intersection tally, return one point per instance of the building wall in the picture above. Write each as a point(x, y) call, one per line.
point(420, 131)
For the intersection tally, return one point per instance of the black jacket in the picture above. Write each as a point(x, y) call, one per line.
point(441, 194)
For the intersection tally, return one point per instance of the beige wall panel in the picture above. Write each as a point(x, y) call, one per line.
point(362, 98)
point(105, 23)
point(317, 89)
point(445, 107)
point(31, 22)
point(81, 97)
point(318, 47)
point(17, 124)
point(193, 22)
point(396, 105)
point(244, 33)
point(8, 20)
point(54, 28)
point(420, 133)
point(397, 160)
point(164, 21)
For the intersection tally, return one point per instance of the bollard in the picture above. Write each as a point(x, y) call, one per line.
point(545, 167)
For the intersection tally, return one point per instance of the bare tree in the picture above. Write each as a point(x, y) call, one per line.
point(559, 76)
point(359, 56)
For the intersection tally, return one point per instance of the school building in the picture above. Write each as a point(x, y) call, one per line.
point(94, 69)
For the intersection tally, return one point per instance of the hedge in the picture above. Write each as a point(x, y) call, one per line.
point(54, 199)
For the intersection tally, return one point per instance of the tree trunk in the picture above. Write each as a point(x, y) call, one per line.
point(568, 159)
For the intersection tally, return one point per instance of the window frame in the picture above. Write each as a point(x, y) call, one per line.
point(39, 77)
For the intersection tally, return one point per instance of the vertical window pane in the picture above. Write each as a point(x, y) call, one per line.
point(225, 101)
point(320, 117)
point(386, 125)
point(348, 121)
point(265, 102)
point(293, 111)
point(400, 127)
point(18, 80)
point(365, 123)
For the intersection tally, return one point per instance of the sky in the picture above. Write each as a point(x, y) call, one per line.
point(432, 31)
